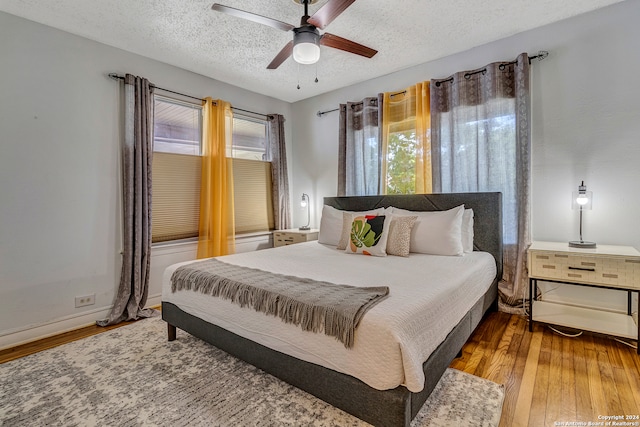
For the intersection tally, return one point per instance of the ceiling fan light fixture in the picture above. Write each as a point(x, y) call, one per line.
point(306, 45)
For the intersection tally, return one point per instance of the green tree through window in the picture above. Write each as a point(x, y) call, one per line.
point(401, 162)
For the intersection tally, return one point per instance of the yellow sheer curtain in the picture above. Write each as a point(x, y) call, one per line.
point(406, 124)
point(216, 231)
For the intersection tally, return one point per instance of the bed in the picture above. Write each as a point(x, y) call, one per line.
point(382, 397)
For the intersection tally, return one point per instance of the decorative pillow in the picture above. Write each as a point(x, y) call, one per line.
point(347, 219)
point(331, 224)
point(467, 230)
point(399, 239)
point(436, 232)
point(369, 235)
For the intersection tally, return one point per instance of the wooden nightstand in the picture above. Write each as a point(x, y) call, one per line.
point(293, 236)
point(608, 267)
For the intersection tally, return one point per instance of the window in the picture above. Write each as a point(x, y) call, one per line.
point(406, 148)
point(177, 127)
point(176, 170)
point(251, 175)
point(401, 158)
point(249, 138)
point(478, 152)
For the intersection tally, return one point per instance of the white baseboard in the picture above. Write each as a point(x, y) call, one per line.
point(162, 256)
point(30, 333)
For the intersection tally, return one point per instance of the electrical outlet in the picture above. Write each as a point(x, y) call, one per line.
point(85, 300)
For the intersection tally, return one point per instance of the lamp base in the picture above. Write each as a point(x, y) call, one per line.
point(582, 244)
point(304, 228)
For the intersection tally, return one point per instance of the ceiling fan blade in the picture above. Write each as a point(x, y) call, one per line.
point(327, 13)
point(336, 42)
point(281, 56)
point(252, 17)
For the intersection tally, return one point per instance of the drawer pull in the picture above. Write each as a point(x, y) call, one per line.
point(542, 256)
point(589, 264)
point(551, 267)
point(635, 261)
point(574, 275)
point(582, 269)
point(610, 276)
point(561, 256)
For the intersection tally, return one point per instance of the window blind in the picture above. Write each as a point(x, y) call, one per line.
point(175, 209)
point(252, 196)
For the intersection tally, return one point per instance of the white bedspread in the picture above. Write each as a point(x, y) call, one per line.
point(428, 296)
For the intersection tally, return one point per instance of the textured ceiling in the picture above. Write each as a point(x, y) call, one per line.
point(188, 34)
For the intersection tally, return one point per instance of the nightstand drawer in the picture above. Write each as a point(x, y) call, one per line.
point(599, 270)
point(291, 237)
point(288, 238)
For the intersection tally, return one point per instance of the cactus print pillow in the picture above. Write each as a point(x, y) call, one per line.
point(369, 235)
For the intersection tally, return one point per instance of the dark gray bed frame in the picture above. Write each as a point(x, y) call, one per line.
point(384, 408)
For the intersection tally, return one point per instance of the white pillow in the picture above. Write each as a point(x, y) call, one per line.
point(331, 224)
point(369, 234)
point(467, 230)
point(436, 232)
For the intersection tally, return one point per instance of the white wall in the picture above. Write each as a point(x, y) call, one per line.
point(59, 151)
point(60, 233)
point(586, 125)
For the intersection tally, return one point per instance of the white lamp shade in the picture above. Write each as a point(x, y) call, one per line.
point(582, 200)
point(306, 53)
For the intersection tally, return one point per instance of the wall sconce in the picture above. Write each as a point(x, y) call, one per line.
point(305, 204)
point(582, 200)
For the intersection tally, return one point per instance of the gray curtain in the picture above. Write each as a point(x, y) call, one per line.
point(481, 141)
point(359, 147)
point(279, 174)
point(136, 164)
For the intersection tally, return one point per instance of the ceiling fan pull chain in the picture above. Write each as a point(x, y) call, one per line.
point(298, 73)
point(316, 72)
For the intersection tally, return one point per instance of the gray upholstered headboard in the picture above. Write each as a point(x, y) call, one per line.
point(487, 209)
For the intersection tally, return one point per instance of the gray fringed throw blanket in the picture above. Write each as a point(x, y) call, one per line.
point(313, 305)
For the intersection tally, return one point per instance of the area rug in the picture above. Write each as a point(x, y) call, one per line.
point(132, 376)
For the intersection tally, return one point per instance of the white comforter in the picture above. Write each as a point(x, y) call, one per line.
point(428, 296)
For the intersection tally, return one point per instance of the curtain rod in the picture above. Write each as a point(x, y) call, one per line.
point(321, 113)
point(397, 93)
point(353, 105)
point(115, 76)
point(542, 54)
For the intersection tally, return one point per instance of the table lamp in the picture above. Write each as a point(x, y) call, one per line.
point(582, 200)
point(305, 204)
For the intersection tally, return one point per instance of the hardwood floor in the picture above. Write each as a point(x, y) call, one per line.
point(54, 341)
point(548, 378)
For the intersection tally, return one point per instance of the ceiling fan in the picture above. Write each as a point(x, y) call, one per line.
point(305, 46)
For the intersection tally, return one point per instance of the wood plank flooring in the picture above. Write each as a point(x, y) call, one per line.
point(548, 378)
point(54, 341)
